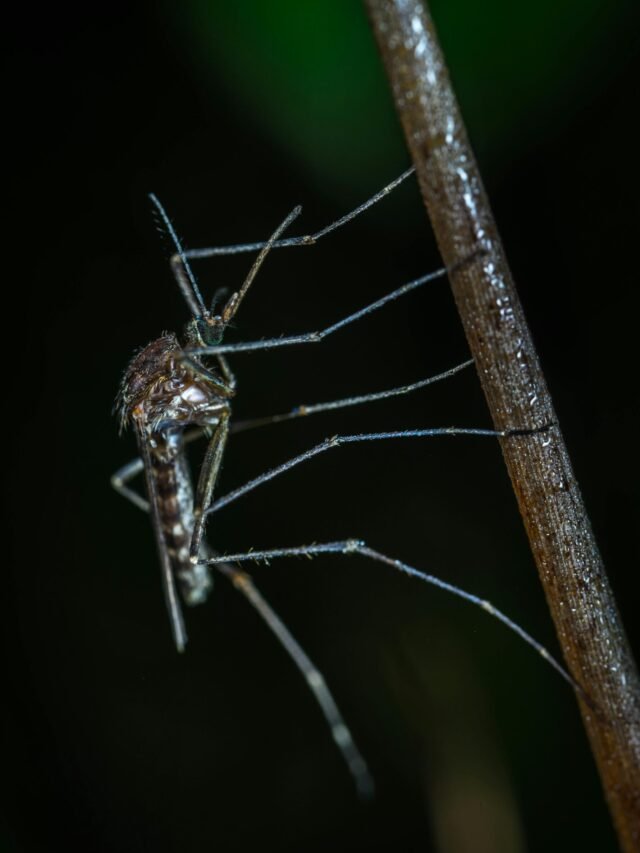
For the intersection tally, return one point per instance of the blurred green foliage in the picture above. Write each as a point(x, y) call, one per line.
point(310, 75)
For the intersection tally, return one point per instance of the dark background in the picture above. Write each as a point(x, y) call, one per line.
point(113, 741)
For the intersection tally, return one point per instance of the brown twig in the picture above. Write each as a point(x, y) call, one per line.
point(570, 566)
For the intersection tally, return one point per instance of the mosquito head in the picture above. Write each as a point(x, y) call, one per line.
point(207, 330)
point(207, 327)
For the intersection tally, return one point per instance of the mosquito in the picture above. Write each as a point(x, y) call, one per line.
point(173, 393)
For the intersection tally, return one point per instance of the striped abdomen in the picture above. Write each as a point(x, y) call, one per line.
point(169, 480)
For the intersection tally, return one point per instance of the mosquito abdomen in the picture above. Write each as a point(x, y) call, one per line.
point(174, 494)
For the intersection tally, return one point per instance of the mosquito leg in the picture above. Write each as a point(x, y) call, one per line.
point(316, 337)
point(207, 480)
point(356, 546)
point(314, 408)
point(228, 374)
point(244, 584)
point(338, 440)
point(221, 387)
point(307, 239)
point(122, 476)
point(339, 730)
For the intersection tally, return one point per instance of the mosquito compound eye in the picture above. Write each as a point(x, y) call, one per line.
point(210, 332)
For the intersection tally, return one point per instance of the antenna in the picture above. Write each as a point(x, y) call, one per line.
point(180, 265)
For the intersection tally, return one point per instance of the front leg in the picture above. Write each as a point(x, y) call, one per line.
point(207, 481)
point(228, 374)
point(123, 475)
point(244, 584)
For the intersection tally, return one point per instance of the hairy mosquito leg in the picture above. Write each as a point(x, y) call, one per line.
point(316, 337)
point(357, 546)
point(207, 481)
point(314, 678)
point(314, 408)
point(338, 440)
point(306, 240)
point(203, 372)
point(228, 374)
point(122, 476)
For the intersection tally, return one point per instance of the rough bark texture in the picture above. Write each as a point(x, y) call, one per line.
point(571, 569)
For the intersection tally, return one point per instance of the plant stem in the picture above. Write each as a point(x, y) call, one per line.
point(570, 566)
